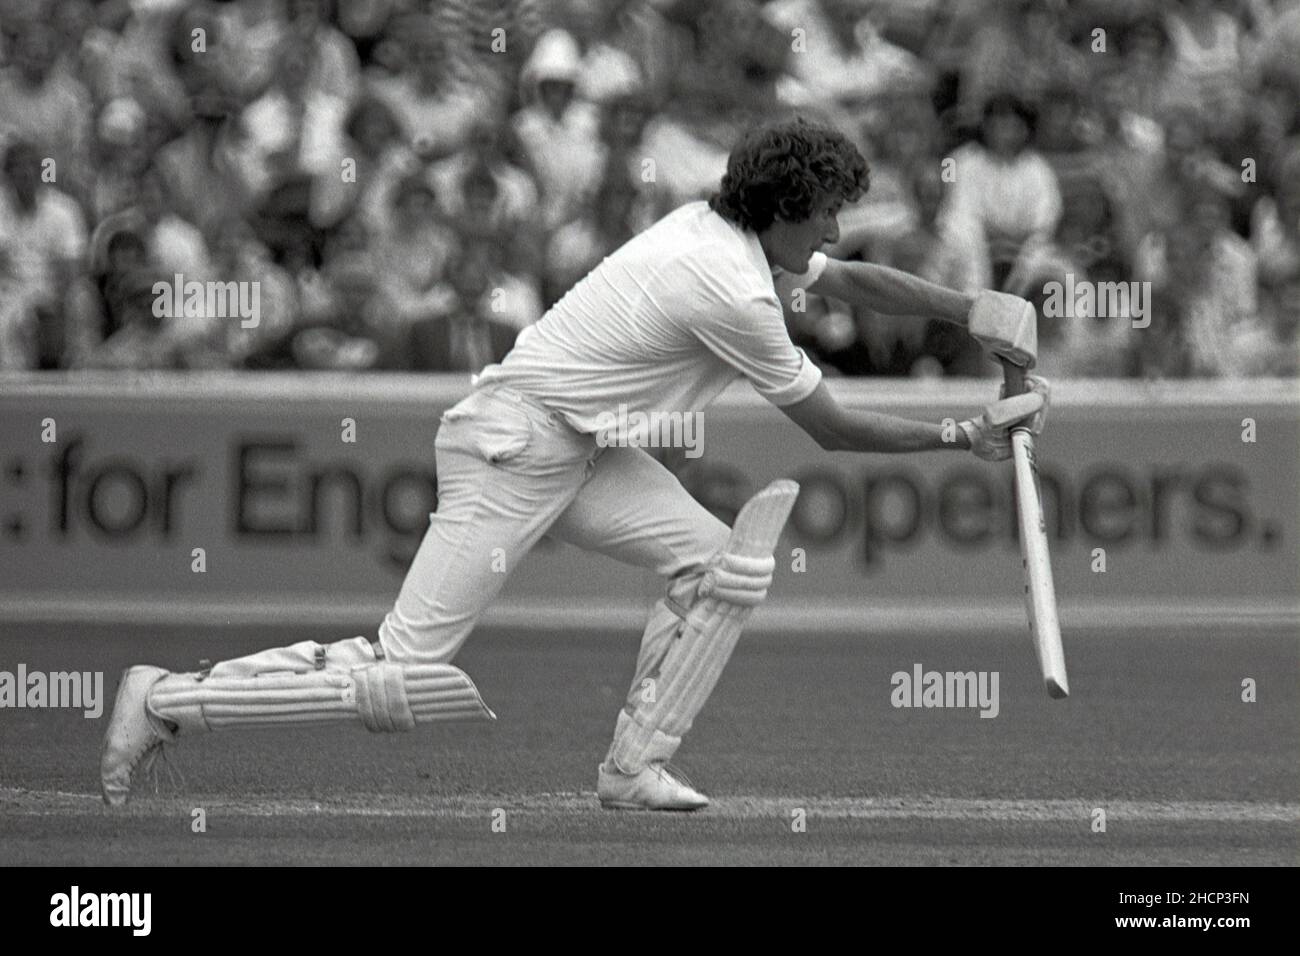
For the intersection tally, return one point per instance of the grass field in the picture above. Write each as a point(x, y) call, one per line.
point(1155, 734)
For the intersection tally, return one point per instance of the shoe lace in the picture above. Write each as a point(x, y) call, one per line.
point(155, 759)
point(676, 773)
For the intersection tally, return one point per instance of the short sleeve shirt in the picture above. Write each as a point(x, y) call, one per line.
point(664, 324)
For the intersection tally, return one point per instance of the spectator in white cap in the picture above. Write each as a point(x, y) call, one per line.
point(559, 133)
point(122, 154)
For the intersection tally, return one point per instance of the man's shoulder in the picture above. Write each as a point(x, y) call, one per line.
point(688, 219)
point(54, 205)
point(693, 236)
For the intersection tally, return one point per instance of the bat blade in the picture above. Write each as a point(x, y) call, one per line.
point(1040, 592)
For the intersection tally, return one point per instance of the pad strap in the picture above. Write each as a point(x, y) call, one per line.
point(381, 698)
point(739, 579)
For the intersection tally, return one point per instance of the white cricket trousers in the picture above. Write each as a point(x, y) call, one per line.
point(510, 470)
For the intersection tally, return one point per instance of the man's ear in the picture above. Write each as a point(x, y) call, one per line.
point(782, 214)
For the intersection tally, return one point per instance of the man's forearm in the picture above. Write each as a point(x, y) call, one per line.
point(895, 292)
point(876, 432)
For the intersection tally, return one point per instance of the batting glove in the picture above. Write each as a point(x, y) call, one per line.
point(1005, 325)
point(1040, 385)
point(990, 434)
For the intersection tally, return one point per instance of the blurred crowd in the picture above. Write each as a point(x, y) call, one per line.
point(407, 184)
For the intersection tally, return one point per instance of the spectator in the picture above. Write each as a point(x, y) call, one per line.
point(123, 153)
point(1005, 200)
point(1276, 114)
point(1090, 336)
point(1150, 187)
point(486, 195)
point(1206, 67)
point(722, 55)
point(379, 159)
point(43, 102)
point(558, 132)
point(242, 258)
point(473, 55)
point(472, 334)
point(1275, 239)
point(119, 257)
point(412, 76)
point(1208, 276)
point(363, 21)
point(173, 243)
point(254, 33)
point(899, 135)
point(842, 59)
point(624, 147)
point(620, 40)
point(910, 345)
point(198, 171)
point(141, 340)
point(606, 223)
point(1019, 48)
point(345, 321)
point(301, 143)
point(138, 51)
point(1277, 34)
point(333, 71)
point(1144, 84)
point(413, 251)
point(49, 305)
point(294, 146)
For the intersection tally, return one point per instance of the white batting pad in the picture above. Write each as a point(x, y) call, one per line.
point(383, 696)
point(653, 729)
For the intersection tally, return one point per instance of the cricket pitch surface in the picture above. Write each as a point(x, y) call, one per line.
point(802, 749)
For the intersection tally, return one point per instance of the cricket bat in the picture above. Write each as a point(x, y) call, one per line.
point(1040, 593)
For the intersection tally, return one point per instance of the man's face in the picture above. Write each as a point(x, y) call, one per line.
point(555, 96)
point(416, 207)
point(480, 200)
point(34, 52)
point(21, 171)
point(306, 14)
point(473, 274)
point(126, 253)
point(790, 245)
point(1209, 217)
point(1005, 134)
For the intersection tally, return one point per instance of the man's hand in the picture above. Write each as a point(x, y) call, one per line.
point(1006, 325)
point(990, 434)
point(1034, 383)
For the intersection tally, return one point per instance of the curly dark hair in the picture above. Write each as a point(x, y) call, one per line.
point(782, 169)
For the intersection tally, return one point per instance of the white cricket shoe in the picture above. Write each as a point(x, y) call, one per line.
point(133, 734)
point(654, 788)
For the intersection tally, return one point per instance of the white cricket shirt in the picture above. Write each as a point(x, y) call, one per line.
point(664, 324)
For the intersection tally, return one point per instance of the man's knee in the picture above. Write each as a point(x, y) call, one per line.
point(409, 646)
point(711, 570)
point(707, 539)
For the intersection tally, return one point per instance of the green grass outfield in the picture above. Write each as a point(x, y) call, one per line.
point(1155, 734)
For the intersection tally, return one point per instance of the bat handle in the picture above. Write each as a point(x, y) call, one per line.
point(1013, 378)
point(1013, 383)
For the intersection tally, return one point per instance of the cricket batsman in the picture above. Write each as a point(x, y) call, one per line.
point(662, 325)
